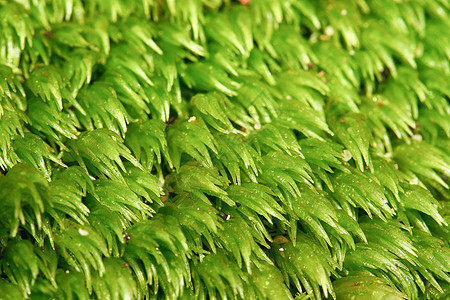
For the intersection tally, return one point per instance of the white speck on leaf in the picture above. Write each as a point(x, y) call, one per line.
point(347, 155)
point(83, 232)
point(417, 137)
point(414, 181)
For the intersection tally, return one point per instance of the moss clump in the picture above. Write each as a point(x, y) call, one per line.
point(218, 149)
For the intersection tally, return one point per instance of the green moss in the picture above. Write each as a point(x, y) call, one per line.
point(218, 149)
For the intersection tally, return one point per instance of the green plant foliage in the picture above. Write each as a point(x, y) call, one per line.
point(196, 140)
point(99, 151)
point(224, 149)
point(306, 264)
point(236, 157)
point(365, 286)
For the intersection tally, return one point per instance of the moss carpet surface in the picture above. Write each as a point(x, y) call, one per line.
point(218, 149)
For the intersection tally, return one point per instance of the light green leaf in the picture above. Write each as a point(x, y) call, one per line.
point(424, 160)
point(212, 109)
point(282, 172)
point(236, 156)
point(157, 252)
point(353, 131)
point(193, 178)
point(205, 76)
point(148, 143)
point(418, 198)
point(307, 264)
point(100, 152)
point(117, 282)
point(46, 83)
point(193, 138)
point(103, 109)
point(366, 287)
point(362, 191)
point(119, 198)
point(21, 264)
point(82, 248)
